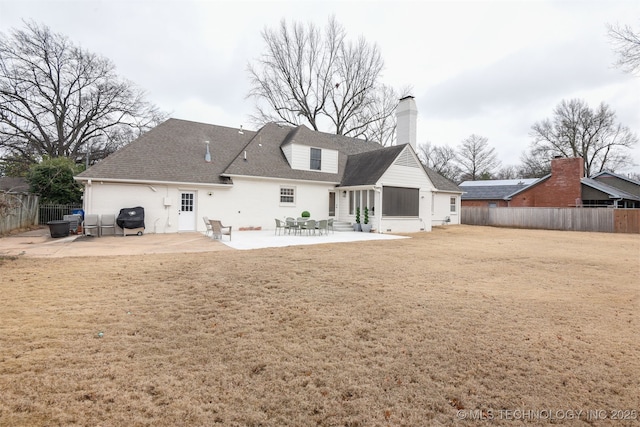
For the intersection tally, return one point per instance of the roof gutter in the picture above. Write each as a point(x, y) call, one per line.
point(149, 182)
point(262, 178)
point(435, 190)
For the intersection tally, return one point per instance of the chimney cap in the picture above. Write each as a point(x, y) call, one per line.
point(407, 97)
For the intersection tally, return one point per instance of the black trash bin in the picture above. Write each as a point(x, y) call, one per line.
point(58, 228)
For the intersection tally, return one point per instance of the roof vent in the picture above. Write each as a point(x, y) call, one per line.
point(207, 156)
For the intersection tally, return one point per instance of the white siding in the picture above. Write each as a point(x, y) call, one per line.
point(255, 202)
point(441, 209)
point(329, 161)
point(109, 198)
point(287, 151)
point(406, 171)
point(249, 203)
point(300, 158)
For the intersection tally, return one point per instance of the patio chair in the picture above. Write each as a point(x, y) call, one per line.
point(107, 221)
point(330, 225)
point(323, 227)
point(309, 225)
point(280, 226)
point(209, 231)
point(91, 223)
point(218, 230)
point(291, 224)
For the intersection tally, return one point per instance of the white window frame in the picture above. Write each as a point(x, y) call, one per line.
point(311, 159)
point(453, 204)
point(285, 189)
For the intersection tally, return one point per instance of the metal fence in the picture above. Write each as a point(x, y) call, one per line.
point(53, 212)
point(573, 219)
point(17, 210)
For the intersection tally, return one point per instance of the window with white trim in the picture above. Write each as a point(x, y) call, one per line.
point(452, 203)
point(361, 199)
point(288, 195)
point(316, 159)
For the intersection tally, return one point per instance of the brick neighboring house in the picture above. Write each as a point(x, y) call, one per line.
point(560, 189)
point(564, 187)
point(492, 193)
point(607, 188)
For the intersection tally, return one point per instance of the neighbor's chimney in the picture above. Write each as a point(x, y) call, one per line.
point(407, 119)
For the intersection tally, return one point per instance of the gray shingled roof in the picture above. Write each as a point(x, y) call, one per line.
point(490, 192)
point(440, 182)
point(367, 168)
point(608, 189)
point(305, 136)
point(174, 151)
point(264, 156)
point(14, 184)
point(615, 175)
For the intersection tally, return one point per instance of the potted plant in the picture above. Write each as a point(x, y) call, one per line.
point(305, 214)
point(356, 226)
point(366, 227)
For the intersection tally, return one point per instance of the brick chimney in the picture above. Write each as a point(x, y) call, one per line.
point(566, 174)
point(406, 121)
point(561, 190)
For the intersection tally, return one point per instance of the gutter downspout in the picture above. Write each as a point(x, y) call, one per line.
point(88, 196)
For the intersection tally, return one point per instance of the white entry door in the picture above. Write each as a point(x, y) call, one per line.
point(187, 213)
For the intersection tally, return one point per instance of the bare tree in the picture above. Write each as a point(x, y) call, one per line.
point(534, 165)
point(58, 100)
point(306, 75)
point(508, 172)
point(626, 43)
point(440, 158)
point(575, 130)
point(477, 160)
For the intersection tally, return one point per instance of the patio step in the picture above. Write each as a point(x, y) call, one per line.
point(342, 226)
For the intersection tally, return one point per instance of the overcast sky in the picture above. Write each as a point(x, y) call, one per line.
point(491, 68)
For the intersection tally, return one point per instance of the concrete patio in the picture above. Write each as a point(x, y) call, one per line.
point(39, 243)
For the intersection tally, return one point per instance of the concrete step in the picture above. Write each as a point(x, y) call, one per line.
point(342, 226)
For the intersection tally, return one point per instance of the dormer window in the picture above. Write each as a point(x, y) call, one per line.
point(316, 159)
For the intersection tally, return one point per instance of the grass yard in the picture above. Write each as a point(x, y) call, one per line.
point(511, 326)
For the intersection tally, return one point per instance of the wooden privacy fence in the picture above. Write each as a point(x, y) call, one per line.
point(17, 210)
point(626, 220)
point(573, 219)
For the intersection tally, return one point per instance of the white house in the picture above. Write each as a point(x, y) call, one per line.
point(181, 171)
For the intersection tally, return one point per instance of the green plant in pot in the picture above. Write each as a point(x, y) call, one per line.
point(305, 214)
point(356, 226)
point(366, 227)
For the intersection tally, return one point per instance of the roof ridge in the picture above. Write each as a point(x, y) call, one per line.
point(633, 181)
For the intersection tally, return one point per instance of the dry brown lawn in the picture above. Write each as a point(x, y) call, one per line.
point(513, 325)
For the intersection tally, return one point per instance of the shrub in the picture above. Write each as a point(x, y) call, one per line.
point(52, 180)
